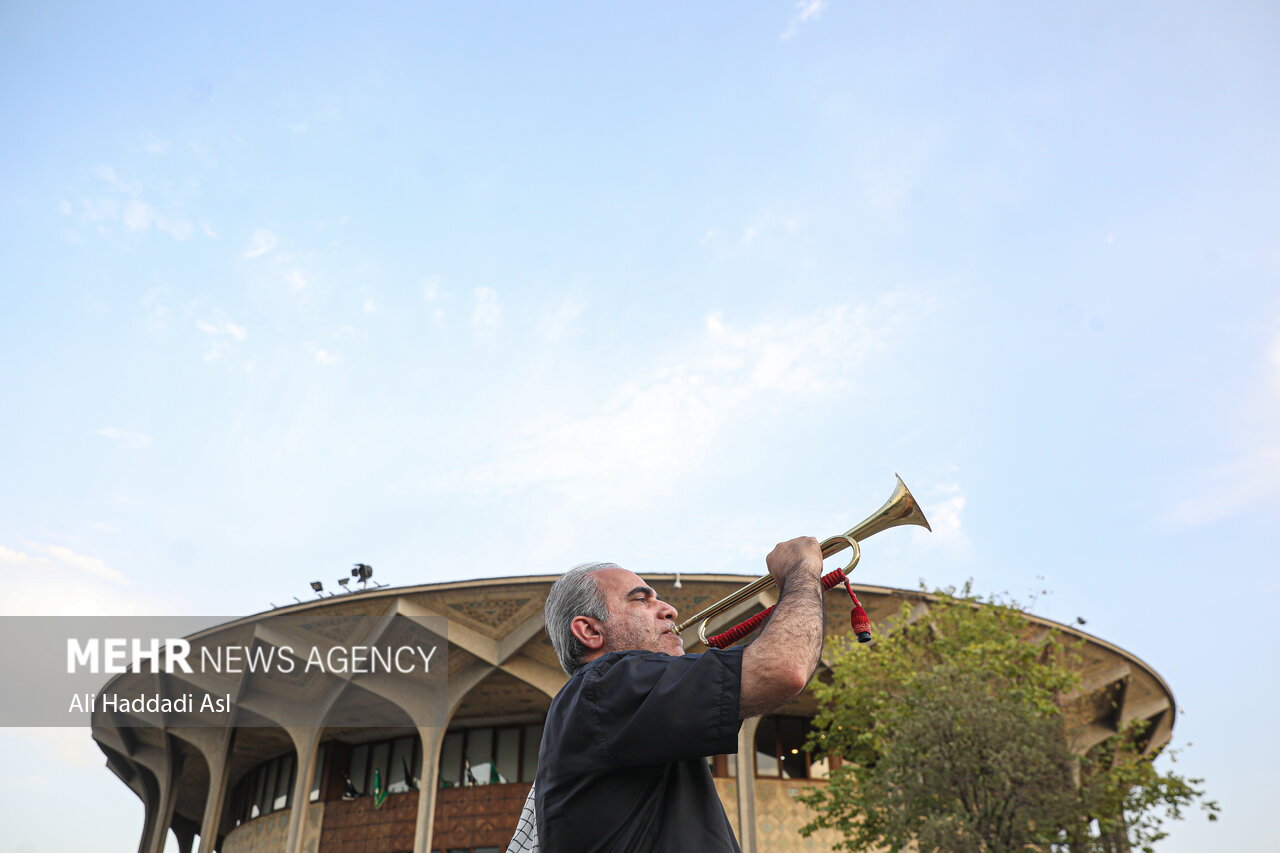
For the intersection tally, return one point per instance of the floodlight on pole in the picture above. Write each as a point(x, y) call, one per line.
point(318, 589)
point(363, 572)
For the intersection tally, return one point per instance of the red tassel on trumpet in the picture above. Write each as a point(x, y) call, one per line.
point(857, 618)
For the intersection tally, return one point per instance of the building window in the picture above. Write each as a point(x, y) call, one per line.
point(397, 763)
point(284, 785)
point(265, 789)
point(723, 765)
point(780, 749)
point(489, 755)
point(318, 777)
point(478, 766)
point(400, 772)
point(451, 760)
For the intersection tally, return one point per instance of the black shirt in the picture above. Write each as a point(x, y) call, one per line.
point(623, 760)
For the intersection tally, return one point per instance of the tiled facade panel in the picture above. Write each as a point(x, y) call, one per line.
point(355, 826)
point(483, 816)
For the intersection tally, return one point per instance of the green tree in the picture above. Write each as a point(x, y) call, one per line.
point(952, 737)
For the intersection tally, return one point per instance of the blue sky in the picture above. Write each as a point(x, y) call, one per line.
point(467, 290)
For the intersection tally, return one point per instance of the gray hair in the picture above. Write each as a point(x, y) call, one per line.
point(575, 593)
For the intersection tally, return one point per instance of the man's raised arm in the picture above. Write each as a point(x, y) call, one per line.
point(780, 662)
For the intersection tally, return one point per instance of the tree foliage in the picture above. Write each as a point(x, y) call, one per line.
point(952, 737)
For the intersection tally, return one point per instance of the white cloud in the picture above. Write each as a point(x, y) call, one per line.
point(488, 310)
point(945, 513)
point(178, 229)
point(157, 147)
point(208, 230)
point(99, 209)
point(157, 312)
point(810, 9)
point(561, 322)
point(260, 243)
point(59, 556)
point(89, 565)
point(806, 11)
point(130, 209)
point(64, 207)
point(221, 334)
point(298, 127)
point(140, 216)
point(765, 230)
point(431, 289)
point(323, 356)
point(222, 326)
point(108, 175)
point(1230, 489)
point(372, 308)
point(655, 426)
point(296, 280)
point(347, 332)
point(129, 439)
point(56, 581)
point(770, 228)
point(1253, 477)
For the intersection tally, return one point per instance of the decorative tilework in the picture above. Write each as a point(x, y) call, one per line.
point(492, 612)
point(779, 817)
point(338, 628)
point(268, 834)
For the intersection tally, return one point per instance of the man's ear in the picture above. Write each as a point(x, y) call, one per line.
point(588, 632)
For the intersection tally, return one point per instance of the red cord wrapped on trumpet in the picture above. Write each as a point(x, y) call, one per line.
point(857, 617)
point(900, 509)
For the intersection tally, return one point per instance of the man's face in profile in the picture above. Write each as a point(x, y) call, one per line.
point(638, 618)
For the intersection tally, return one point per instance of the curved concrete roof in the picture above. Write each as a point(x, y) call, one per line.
point(500, 665)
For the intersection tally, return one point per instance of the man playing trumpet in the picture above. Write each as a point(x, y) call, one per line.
point(623, 759)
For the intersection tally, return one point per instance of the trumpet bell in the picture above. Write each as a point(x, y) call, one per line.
point(900, 509)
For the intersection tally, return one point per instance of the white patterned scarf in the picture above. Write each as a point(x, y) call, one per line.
point(526, 838)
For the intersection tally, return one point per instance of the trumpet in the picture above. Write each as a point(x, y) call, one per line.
point(900, 509)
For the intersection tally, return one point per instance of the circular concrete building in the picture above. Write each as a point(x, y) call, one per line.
point(391, 760)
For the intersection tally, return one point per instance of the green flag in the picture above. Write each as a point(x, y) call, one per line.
point(379, 792)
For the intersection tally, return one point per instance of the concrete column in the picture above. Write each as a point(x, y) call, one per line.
point(144, 785)
point(185, 831)
point(432, 737)
point(747, 784)
point(306, 742)
point(169, 767)
point(217, 758)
